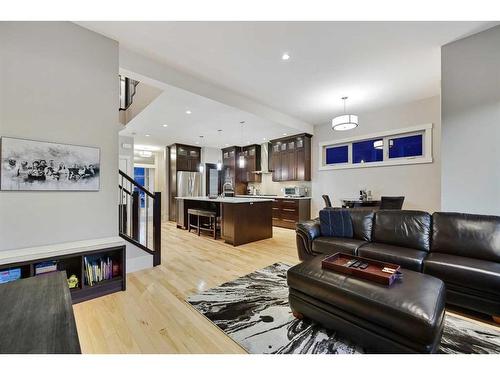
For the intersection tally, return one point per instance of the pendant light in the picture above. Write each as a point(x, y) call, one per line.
point(219, 162)
point(241, 159)
point(345, 121)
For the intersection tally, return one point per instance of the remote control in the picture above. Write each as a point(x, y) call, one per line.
point(350, 263)
point(356, 264)
point(363, 266)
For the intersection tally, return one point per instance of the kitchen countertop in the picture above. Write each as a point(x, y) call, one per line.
point(269, 197)
point(237, 199)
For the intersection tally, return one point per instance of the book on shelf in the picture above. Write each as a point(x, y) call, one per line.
point(98, 270)
point(45, 267)
point(10, 275)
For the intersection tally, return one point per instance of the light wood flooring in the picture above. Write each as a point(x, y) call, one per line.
point(151, 316)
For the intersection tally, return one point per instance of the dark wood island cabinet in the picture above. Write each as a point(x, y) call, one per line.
point(242, 220)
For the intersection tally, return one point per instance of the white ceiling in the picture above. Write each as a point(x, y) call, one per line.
point(206, 118)
point(376, 64)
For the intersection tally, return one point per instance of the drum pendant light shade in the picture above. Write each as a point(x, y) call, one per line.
point(345, 121)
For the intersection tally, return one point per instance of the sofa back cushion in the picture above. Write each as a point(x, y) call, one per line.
point(362, 223)
point(403, 228)
point(467, 235)
point(335, 223)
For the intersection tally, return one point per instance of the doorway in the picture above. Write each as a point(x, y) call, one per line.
point(213, 181)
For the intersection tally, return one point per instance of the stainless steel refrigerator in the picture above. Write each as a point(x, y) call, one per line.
point(184, 184)
point(188, 184)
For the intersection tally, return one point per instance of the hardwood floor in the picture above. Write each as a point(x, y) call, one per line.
point(151, 316)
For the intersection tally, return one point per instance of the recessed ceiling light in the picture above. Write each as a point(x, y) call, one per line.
point(285, 133)
point(147, 135)
point(264, 138)
point(164, 125)
point(227, 144)
point(188, 112)
point(285, 56)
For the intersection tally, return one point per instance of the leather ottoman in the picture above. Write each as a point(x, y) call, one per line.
point(406, 317)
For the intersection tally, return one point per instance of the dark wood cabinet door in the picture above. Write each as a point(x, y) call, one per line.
point(277, 175)
point(292, 165)
point(301, 164)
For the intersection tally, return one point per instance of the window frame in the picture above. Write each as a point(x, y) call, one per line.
point(349, 153)
point(425, 130)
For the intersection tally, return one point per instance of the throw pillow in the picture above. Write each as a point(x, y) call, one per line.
point(336, 223)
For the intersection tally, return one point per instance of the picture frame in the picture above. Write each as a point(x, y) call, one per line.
point(33, 165)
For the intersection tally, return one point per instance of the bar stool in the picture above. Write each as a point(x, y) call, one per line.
point(212, 221)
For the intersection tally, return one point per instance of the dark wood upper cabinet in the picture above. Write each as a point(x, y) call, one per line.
point(187, 158)
point(290, 158)
point(231, 171)
point(240, 176)
point(181, 158)
point(251, 154)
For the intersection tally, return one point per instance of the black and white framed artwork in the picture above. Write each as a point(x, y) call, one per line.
point(35, 165)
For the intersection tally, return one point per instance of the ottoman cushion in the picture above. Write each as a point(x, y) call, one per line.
point(412, 308)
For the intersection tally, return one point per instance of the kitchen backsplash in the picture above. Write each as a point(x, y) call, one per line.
point(268, 186)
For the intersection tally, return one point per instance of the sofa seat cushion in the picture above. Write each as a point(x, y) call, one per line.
point(405, 257)
point(467, 273)
point(331, 245)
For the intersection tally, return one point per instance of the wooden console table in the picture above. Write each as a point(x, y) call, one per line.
point(36, 316)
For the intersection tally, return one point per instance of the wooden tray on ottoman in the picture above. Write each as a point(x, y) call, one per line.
point(373, 272)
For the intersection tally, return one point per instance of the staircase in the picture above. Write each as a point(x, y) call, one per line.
point(139, 215)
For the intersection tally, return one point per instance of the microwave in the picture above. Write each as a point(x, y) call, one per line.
point(295, 191)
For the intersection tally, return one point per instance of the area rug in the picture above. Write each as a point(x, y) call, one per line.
point(253, 310)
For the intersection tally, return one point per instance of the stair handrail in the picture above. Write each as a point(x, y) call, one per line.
point(156, 197)
point(136, 184)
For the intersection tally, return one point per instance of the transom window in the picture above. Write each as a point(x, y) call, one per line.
point(401, 146)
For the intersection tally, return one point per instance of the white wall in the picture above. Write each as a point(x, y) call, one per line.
point(471, 124)
point(59, 83)
point(419, 183)
point(144, 95)
point(126, 153)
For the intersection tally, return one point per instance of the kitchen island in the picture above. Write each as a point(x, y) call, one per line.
point(242, 220)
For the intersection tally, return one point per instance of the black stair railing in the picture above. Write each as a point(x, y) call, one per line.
point(139, 216)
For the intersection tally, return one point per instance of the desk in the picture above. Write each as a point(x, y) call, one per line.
point(36, 316)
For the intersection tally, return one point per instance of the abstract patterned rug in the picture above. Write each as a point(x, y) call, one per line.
point(253, 310)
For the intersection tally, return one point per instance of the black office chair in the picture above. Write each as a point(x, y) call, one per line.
point(328, 202)
point(391, 203)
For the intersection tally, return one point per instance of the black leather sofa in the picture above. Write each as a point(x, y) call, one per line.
point(463, 250)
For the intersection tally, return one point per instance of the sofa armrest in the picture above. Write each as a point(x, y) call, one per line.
point(306, 232)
